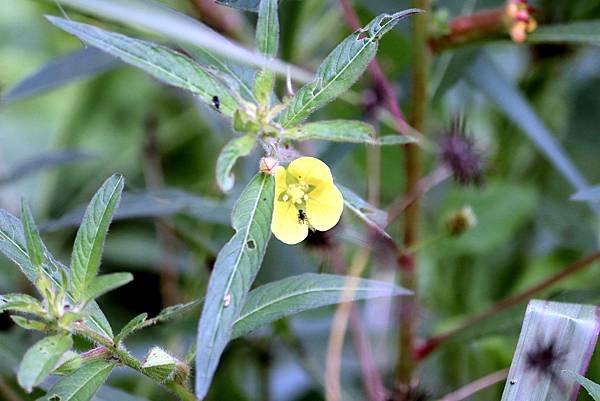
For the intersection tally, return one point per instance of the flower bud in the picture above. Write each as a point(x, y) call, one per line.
point(268, 164)
point(461, 221)
point(161, 366)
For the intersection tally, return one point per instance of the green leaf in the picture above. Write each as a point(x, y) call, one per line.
point(247, 5)
point(108, 282)
point(592, 388)
point(307, 291)
point(41, 358)
point(233, 150)
point(89, 242)
point(13, 245)
point(344, 131)
point(21, 303)
point(374, 217)
point(267, 28)
point(341, 68)
point(162, 63)
point(580, 32)
point(235, 269)
point(60, 71)
point(133, 325)
point(172, 312)
point(157, 203)
point(35, 249)
point(82, 384)
point(238, 77)
point(29, 324)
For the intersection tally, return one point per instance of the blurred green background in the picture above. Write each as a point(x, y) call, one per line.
point(123, 121)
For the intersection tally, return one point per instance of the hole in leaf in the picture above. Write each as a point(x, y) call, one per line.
point(250, 244)
point(54, 398)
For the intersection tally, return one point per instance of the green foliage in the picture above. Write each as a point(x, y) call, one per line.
point(82, 384)
point(131, 326)
point(344, 131)
point(374, 217)
point(108, 282)
point(236, 267)
point(161, 62)
point(35, 248)
point(296, 294)
point(340, 69)
point(41, 358)
point(21, 303)
point(233, 150)
point(592, 388)
point(89, 242)
point(267, 28)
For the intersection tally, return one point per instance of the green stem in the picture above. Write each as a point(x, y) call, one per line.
point(129, 360)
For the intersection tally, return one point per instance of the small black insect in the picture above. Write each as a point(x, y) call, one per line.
point(302, 218)
point(216, 102)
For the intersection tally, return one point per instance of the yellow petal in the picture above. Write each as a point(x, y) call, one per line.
point(324, 207)
point(310, 170)
point(280, 184)
point(286, 225)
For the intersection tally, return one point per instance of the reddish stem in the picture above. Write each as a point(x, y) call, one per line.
point(431, 344)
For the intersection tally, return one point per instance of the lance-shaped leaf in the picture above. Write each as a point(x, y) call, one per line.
point(162, 63)
point(41, 358)
point(238, 77)
point(267, 28)
point(374, 217)
point(341, 68)
point(60, 71)
point(35, 249)
point(580, 32)
point(555, 336)
point(82, 384)
point(89, 242)
point(42, 162)
point(235, 269)
point(21, 303)
point(13, 245)
point(134, 324)
point(344, 131)
point(246, 5)
point(108, 282)
point(307, 291)
point(172, 312)
point(233, 150)
point(155, 204)
point(592, 388)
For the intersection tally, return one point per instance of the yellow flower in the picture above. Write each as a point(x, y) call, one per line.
point(305, 197)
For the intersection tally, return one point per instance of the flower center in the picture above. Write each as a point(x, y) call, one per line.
point(297, 193)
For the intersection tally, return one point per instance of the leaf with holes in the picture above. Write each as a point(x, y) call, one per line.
point(89, 242)
point(232, 151)
point(267, 28)
point(162, 63)
point(296, 294)
point(341, 68)
point(344, 131)
point(82, 384)
point(374, 217)
point(236, 267)
point(41, 358)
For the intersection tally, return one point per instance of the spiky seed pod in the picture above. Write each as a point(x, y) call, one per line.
point(458, 151)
